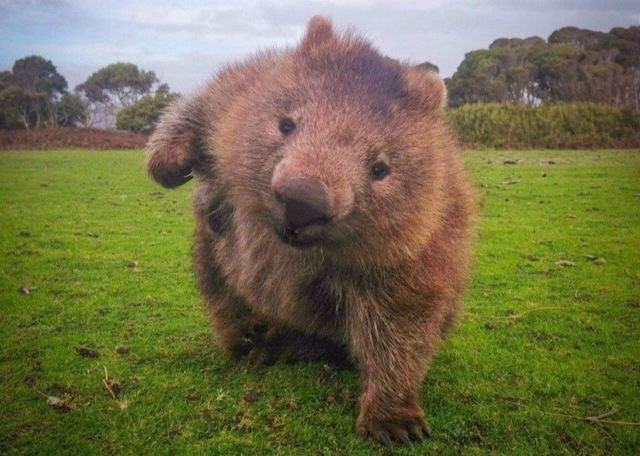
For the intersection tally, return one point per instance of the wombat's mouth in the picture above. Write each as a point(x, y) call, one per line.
point(302, 237)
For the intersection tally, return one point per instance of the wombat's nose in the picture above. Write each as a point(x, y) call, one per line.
point(305, 201)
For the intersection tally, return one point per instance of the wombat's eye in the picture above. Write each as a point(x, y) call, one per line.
point(379, 170)
point(286, 125)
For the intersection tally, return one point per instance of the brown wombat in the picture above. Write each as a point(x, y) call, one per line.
point(332, 213)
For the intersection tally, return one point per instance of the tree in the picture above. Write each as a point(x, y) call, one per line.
point(561, 76)
point(503, 73)
point(515, 57)
point(71, 111)
point(14, 103)
point(144, 114)
point(37, 75)
point(9, 116)
point(479, 78)
point(429, 67)
point(114, 87)
point(574, 65)
point(29, 93)
point(587, 40)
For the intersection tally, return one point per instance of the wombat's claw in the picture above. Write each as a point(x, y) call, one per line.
point(242, 348)
point(405, 432)
point(421, 432)
point(384, 438)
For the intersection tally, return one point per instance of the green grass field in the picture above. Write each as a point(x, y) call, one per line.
point(546, 358)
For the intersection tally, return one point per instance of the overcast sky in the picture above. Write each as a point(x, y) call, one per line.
point(186, 41)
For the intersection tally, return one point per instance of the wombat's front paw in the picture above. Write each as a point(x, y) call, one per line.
point(170, 173)
point(258, 346)
point(241, 348)
point(402, 429)
point(256, 352)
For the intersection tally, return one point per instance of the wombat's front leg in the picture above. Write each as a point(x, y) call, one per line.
point(274, 343)
point(232, 323)
point(243, 334)
point(391, 351)
point(176, 147)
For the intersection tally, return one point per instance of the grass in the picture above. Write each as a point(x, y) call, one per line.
point(104, 256)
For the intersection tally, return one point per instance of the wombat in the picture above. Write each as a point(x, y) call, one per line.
point(332, 214)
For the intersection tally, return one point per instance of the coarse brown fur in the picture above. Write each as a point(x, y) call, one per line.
point(332, 214)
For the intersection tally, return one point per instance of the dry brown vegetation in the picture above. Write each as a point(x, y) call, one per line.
point(70, 137)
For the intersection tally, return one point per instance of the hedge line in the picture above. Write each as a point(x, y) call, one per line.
point(548, 126)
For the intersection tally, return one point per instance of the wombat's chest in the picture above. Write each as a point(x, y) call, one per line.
point(297, 288)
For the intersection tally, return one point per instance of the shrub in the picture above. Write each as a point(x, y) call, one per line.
point(548, 126)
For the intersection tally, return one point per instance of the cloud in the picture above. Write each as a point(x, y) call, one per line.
point(186, 41)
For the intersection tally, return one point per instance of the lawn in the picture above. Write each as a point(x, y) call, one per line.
point(105, 346)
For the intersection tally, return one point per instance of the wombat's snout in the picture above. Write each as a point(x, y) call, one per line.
point(305, 201)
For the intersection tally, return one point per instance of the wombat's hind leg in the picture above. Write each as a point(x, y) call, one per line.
point(303, 347)
point(272, 343)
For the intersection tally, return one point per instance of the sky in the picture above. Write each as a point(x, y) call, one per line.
point(186, 41)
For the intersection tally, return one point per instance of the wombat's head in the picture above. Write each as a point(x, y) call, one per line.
point(330, 144)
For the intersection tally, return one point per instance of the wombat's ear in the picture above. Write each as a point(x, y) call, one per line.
point(319, 31)
point(176, 145)
point(424, 89)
